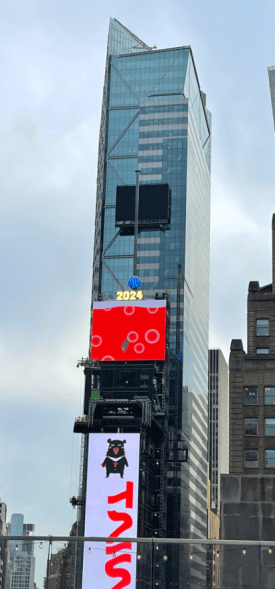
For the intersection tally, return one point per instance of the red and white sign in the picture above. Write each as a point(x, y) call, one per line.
point(111, 511)
point(128, 330)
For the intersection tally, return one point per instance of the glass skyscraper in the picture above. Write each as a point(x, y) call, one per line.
point(154, 118)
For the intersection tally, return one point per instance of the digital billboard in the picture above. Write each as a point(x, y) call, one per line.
point(154, 205)
point(128, 330)
point(111, 511)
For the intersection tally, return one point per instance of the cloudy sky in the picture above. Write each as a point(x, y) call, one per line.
point(51, 71)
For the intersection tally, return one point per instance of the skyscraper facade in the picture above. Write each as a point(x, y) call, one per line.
point(271, 77)
point(154, 119)
point(21, 554)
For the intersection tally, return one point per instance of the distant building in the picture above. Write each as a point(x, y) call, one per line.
point(21, 556)
point(60, 573)
point(3, 545)
point(271, 76)
point(218, 423)
point(218, 441)
point(247, 492)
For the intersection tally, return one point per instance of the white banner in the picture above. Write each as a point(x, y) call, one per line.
point(111, 510)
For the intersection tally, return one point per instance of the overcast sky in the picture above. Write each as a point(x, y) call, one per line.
point(51, 71)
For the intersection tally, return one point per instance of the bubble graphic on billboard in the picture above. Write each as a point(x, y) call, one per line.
point(131, 330)
point(111, 510)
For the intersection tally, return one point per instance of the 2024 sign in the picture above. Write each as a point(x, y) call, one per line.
point(126, 295)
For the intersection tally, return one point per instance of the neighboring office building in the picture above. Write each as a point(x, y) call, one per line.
point(247, 493)
point(271, 77)
point(154, 118)
point(21, 554)
point(218, 423)
point(218, 449)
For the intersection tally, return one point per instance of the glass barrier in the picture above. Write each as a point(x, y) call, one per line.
point(111, 563)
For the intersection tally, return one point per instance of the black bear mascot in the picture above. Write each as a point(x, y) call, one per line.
point(115, 460)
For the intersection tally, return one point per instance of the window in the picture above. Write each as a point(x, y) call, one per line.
point(144, 379)
point(251, 458)
point(262, 350)
point(270, 458)
point(270, 427)
point(251, 396)
point(262, 327)
point(269, 394)
point(251, 426)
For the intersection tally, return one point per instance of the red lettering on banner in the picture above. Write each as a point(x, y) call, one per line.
point(127, 495)
point(123, 573)
point(117, 516)
point(111, 548)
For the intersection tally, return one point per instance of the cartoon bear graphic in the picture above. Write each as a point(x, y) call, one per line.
point(115, 460)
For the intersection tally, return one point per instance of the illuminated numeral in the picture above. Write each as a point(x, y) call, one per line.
point(126, 295)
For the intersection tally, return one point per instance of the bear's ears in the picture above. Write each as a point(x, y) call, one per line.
point(124, 442)
point(109, 441)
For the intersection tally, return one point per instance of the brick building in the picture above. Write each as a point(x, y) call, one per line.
point(248, 492)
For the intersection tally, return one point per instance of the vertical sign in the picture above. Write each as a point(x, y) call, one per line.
point(111, 510)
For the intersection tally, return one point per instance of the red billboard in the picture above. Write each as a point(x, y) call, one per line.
point(128, 330)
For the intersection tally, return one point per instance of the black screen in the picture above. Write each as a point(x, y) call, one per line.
point(154, 203)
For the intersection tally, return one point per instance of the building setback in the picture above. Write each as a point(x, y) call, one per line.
point(154, 119)
point(247, 493)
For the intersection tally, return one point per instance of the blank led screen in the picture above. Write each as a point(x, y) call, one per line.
point(128, 330)
point(154, 203)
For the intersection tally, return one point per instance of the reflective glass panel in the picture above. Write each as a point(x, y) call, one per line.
point(262, 350)
point(262, 326)
point(270, 458)
point(270, 427)
point(269, 395)
point(251, 458)
point(251, 426)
